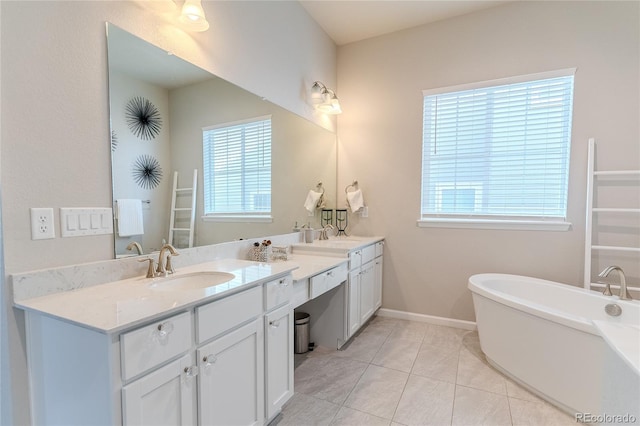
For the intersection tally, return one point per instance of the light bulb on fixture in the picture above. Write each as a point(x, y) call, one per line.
point(324, 99)
point(193, 16)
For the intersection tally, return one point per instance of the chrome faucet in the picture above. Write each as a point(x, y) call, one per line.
point(624, 293)
point(166, 268)
point(323, 232)
point(136, 245)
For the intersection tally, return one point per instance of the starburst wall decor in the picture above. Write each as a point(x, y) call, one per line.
point(147, 172)
point(143, 118)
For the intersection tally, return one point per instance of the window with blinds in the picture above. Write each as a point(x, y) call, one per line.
point(498, 150)
point(237, 168)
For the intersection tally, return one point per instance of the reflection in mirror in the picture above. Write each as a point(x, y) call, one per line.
point(159, 106)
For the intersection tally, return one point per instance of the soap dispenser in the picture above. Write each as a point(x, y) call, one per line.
point(309, 234)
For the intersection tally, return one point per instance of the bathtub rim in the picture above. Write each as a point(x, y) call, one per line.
point(579, 323)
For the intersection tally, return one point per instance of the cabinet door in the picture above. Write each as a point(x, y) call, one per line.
point(231, 383)
point(166, 396)
point(367, 291)
point(353, 311)
point(278, 359)
point(377, 288)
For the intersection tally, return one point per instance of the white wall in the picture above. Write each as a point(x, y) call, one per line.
point(380, 82)
point(55, 133)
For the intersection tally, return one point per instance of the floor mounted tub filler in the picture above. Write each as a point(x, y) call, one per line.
point(557, 341)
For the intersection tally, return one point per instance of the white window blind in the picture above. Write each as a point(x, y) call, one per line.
point(237, 168)
point(498, 150)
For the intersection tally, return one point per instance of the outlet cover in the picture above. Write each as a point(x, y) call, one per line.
point(42, 224)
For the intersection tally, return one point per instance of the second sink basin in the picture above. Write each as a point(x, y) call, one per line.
point(193, 281)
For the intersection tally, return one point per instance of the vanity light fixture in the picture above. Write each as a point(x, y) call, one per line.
point(325, 99)
point(193, 16)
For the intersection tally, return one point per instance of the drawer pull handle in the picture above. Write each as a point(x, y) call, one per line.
point(191, 371)
point(330, 273)
point(209, 360)
point(274, 324)
point(163, 330)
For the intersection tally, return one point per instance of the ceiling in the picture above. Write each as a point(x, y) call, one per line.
point(347, 21)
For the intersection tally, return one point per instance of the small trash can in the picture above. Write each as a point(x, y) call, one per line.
point(301, 332)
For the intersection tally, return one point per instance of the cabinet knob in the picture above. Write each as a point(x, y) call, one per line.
point(284, 282)
point(191, 371)
point(163, 330)
point(209, 360)
point(330, 273)
point(274, 324)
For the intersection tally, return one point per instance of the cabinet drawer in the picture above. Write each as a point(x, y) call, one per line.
point(355, 259)
point(300, 293)
point(277, 292)
point(149, 346)
point(327, 280)
point(379, 248)
point(368, 253)
point(222, 315)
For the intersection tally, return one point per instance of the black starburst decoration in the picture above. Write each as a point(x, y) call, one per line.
point(147, 172)
point(114, 141)
point(143, 118)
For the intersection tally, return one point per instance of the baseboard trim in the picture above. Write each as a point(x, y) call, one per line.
point(448, 322)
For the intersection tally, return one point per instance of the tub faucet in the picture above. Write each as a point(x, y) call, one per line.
point(166, 268)
point(624, 293)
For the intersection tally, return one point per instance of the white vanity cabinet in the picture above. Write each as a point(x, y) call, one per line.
point(231, 366)
point(223, 362)
point(278, 359)
point(365, 285)
point(231, 379)
point(278, 348)
point(164, 396)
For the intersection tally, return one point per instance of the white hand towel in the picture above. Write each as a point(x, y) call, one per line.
point(355, 200)
point(312, 200)
point(129, 217)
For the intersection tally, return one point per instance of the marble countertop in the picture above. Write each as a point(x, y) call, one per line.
point(311, 265)
point(119, 305)
point(336, 246)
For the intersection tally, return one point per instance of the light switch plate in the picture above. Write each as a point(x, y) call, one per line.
point(77, 222)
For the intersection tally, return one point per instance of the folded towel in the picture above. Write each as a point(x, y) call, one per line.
point(355, 200)
point(129, 214)
point(312, 200)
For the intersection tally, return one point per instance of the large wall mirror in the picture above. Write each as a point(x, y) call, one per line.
point(159, 106)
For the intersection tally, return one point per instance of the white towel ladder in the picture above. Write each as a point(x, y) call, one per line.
point(191, 210)
point(589, 247)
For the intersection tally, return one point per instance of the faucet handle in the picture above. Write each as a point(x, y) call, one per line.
point(151, 273)
point(169, 266)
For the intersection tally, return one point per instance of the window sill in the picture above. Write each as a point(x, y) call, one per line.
point(520, 225)
point(239, 218)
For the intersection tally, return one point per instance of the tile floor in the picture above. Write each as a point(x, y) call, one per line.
point(397, 372)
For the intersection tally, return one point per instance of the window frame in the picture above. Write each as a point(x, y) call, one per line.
point(478, 221)
point(245, 216)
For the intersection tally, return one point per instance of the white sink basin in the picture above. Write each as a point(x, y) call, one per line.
point(193, 281)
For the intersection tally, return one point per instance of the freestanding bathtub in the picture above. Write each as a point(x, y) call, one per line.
point(544, 336)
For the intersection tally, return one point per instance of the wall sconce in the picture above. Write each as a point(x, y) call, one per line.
point(193, 17)
point(324, 99)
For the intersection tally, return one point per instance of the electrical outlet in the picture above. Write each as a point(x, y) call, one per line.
point(42, 224)
point(364, 212)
